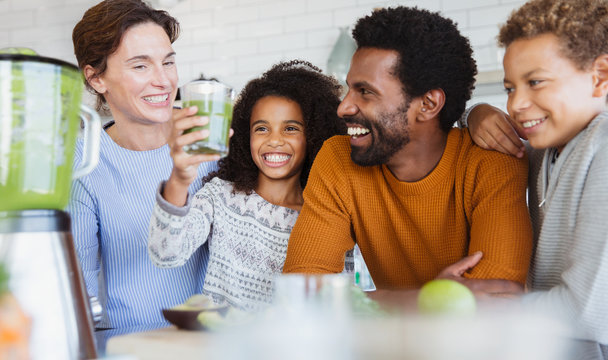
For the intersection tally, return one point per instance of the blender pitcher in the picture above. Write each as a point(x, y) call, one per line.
point(39, 121)
point(40, 114)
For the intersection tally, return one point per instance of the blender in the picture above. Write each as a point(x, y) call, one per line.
point(40, 116)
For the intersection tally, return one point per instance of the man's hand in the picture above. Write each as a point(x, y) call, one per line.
point(492, 129)
point(457, 269)
point(480, 287)
point(490, 289)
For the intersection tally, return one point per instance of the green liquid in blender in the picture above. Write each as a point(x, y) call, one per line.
point(39, 120)
point(220, 118)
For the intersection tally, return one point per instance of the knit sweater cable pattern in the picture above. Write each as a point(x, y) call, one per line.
point(247, 238)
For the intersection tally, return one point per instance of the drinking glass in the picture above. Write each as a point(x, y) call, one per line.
point(213, 100)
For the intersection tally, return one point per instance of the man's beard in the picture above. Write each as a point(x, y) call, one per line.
point(390, 133)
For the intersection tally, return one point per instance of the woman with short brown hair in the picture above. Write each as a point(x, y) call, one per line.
point(124, 48)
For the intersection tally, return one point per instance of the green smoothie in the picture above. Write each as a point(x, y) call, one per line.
point(39, 121)
point(220, 118)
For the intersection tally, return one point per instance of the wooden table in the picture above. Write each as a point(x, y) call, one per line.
point(160, 343)
point(496, 336)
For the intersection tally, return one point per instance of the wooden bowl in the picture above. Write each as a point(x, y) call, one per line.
point(187, 319)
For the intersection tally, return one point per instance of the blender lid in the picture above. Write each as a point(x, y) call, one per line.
point(36, 58)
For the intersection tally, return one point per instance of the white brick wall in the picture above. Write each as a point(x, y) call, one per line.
point(236, 40)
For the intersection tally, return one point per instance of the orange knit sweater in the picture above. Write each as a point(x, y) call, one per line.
point(473, 200)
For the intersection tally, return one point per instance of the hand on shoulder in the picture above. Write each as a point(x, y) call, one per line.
point(491, 129)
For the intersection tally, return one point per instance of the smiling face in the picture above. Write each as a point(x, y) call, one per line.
point(140, 81)
point(375, 108)
point(277, 138)
point(549, 98)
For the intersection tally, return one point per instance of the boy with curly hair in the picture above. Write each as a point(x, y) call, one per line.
point(410, 190)
point(556, 78)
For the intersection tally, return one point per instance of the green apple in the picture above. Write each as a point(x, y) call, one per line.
point(443, 296)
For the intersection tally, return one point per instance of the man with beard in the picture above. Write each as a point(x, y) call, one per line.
point(412, 191)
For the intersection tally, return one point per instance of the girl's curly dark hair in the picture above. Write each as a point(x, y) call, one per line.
point(318, 96)
point(432, 54)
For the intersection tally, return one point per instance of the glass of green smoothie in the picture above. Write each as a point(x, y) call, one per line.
point(213, 100)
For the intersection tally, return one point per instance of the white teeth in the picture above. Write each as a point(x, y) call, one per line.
point(156, 98)
point(529, 124)
point(355, 131)
point(276, 158)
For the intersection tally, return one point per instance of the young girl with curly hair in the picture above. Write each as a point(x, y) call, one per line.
point(246, 210)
